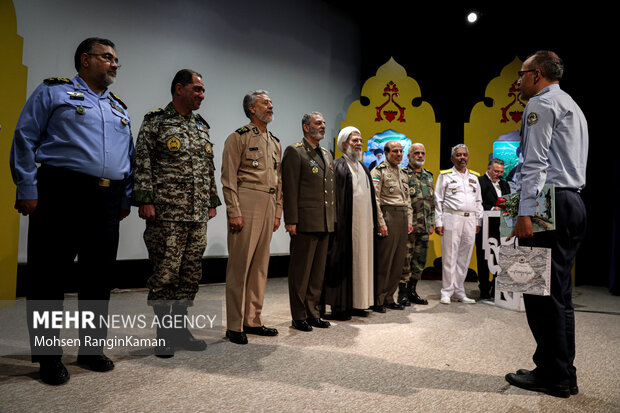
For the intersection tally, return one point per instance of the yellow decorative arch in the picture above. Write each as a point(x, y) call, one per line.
point(13, 84)
point(391, 105)
point(499, 119)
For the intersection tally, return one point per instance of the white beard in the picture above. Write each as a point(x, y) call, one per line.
point(353, 154)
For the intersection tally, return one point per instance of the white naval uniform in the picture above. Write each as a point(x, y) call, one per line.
point(458, 209)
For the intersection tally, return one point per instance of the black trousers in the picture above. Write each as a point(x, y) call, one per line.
point(75, 217)
point(552, 318)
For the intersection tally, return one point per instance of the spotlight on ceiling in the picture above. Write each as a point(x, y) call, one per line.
point(472, 17)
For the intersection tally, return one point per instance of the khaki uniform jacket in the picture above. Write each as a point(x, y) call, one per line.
point(391, 189)
point(174, 167)
point(251, 159)
point(308, 185)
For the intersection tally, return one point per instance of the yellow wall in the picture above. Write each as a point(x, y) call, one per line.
point(13, 84)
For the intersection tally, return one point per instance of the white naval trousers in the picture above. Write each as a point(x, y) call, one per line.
point(457, 244)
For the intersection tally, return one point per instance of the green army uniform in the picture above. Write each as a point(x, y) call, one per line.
point(421, 192)
point(175, 172)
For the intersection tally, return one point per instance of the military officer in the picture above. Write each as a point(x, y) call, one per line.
point(394, 216)
point(309, 214)
point(458, 213)
point(555, 140)
point(421, 192)
point(79, 134)
point(176, 194)
point(252, 187)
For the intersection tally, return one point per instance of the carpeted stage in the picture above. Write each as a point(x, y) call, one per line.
point(435, 358)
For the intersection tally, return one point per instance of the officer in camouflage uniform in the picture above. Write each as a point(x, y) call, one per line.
point(176, 194)
point(423, 203)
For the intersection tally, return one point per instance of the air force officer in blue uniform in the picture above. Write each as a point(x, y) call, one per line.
point(554, 140)
point(71, 162)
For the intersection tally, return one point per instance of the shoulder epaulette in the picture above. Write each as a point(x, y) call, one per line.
point(202, 120)
point(474, 172)
point(56, 81)
point(324, 150)
point(153, 113)
point(298, 144)
point(242, 130)
point(380, 166)
point(427, 171)
point(118, 100)
point(445, 171)
point(274, 136)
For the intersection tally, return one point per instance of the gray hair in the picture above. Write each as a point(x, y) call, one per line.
point(416, 144)
point(250, 99)
point(497, 161)
point(459, 146)
point(307, 118)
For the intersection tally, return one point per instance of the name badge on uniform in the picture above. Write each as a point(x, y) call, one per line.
point(173, 144)
point(76, 95)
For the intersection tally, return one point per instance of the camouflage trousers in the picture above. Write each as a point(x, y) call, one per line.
point(415, 261)
point(175, 250)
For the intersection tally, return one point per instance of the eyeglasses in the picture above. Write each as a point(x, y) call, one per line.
point(108, 57)
point(522, 72)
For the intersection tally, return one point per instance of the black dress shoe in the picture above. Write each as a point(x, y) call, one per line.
point(97, 362)
point(572, 387)
point(185, 339)
point(317, 322)
point(260, 331)
point(237, 337)
point(359, 312)
point(301, 325)
point(53, 372)
point(395, 306)
point(378, 308)
point(531, 382)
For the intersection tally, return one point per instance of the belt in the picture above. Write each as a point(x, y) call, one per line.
point(257, 187)
point(62, 174)
point(393, 208)
point(462, 213)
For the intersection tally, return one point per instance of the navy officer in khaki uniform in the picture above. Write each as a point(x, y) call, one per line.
point(309, 215)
